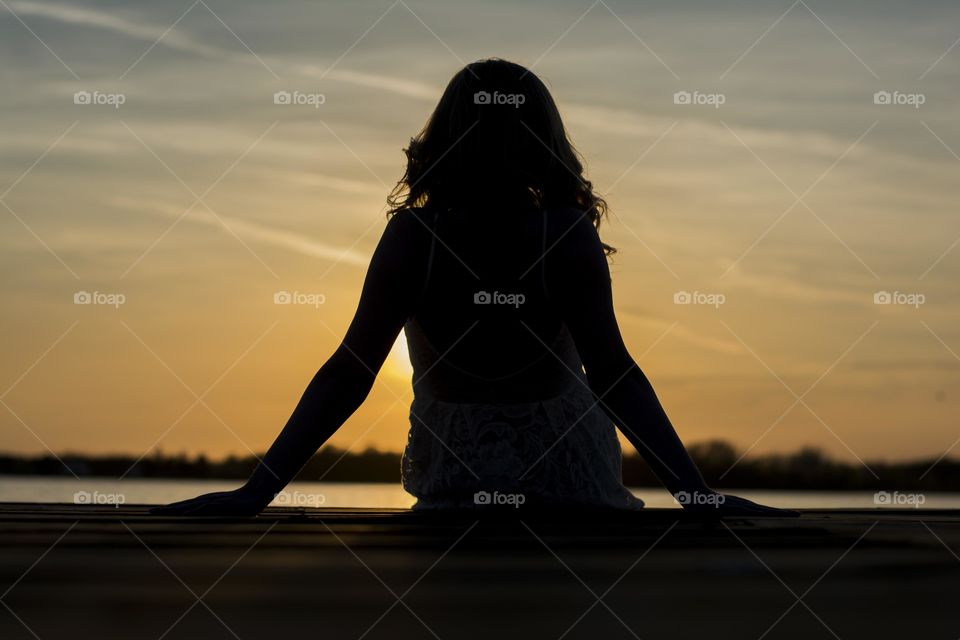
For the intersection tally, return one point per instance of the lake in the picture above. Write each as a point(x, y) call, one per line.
point(385, 495)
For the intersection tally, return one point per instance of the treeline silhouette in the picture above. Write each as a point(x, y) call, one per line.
point(720, 462)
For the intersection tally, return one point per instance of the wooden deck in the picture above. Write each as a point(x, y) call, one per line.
point(98, 572)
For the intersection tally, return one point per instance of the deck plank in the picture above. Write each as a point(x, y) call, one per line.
point(101, 572)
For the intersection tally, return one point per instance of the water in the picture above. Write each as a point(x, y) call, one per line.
point(383, 495)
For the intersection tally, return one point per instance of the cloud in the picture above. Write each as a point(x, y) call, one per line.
point(178, 40)
point(772, 284)
point(408, 88)
point(703, 133)
point(278, 237)
point(597, 118)
point(311, 179)
point(112, 22)
point(683, 333)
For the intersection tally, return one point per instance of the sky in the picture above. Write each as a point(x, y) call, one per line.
point(159, 193)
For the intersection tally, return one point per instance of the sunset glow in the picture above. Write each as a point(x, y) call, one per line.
point(234, 195)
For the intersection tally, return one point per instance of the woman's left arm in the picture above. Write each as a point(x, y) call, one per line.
point(342, 383)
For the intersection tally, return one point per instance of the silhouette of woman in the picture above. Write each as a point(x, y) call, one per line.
point(492, 264)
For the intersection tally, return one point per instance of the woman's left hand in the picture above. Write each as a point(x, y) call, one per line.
point(737, 506)
point(708, 502)
point(242, 502)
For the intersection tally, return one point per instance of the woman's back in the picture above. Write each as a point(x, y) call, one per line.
point(484, 326)
point(502, 406)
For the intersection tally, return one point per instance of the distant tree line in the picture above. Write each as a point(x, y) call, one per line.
point(807, 469)
point(721, 463)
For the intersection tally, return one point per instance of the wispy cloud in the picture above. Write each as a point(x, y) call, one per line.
point(683, 333)
point(177, 39)
point(111, 22)
point(621, 122)
point(290, 240)
point(314, 180)
point(801, 290)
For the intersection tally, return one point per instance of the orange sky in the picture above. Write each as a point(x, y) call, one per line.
point(199, 198)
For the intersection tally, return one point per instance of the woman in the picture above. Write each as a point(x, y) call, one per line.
point(492, 264)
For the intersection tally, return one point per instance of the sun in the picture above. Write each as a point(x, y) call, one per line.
point(398, 362)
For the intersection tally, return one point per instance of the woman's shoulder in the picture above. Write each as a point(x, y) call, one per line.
point(410, 222)
point(568, 214)
point(414, 215)
point(571, 230)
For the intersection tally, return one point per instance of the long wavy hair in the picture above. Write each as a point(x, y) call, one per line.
point(495, 138)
